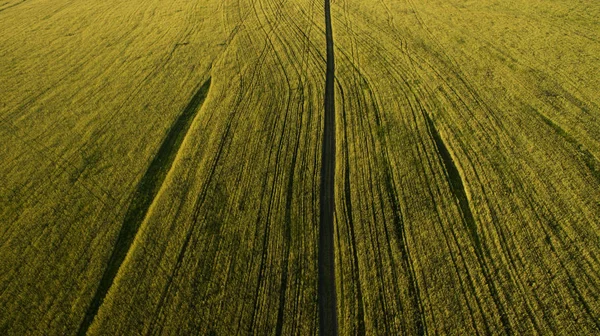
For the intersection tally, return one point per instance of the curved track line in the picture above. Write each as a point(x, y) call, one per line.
point(143, 197)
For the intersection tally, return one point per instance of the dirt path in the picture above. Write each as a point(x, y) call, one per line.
point(326, 291)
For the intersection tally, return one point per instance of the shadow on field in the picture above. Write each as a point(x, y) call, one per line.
point(143, 197)
point(457, 188)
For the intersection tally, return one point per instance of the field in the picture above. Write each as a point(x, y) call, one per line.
point(299, 167)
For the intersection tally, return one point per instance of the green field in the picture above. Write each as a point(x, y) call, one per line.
point(300, 167)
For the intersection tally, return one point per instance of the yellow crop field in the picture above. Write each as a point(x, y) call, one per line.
point(279, 167)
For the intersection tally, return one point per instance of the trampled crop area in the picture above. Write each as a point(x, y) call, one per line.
point(298, 167)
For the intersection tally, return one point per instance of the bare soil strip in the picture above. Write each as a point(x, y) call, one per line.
point(326, 288)
point(143, 197)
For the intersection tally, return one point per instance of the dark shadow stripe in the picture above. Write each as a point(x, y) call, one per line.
point(143, 197)
point(458, 190)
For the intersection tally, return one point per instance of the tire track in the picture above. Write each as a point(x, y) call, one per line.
point(388, 191)
point(360, 315)
point(326, 280)
point(457, 188)
point(245, 85)
point(143, 197)
point(12, 6)
point(585, 155)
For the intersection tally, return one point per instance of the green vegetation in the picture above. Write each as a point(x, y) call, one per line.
point(201, 167)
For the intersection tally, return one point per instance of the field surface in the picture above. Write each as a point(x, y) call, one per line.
point(299, 167)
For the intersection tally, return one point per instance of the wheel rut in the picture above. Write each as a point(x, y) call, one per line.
point(11, 6)
point(142, 199)
point(326, 259)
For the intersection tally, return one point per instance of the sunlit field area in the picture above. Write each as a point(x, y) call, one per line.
point(299, 167)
